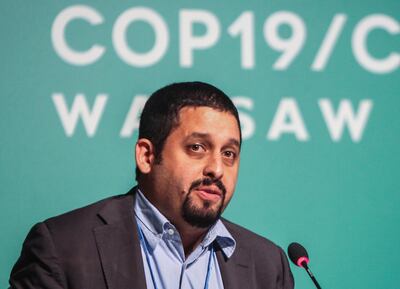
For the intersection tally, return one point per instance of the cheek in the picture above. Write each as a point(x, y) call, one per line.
point(230, 187)
point(230, 184)
point(231, 178)
point(189, 172)
point(181, 178)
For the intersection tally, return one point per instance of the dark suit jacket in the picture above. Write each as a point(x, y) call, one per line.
point(98, 247)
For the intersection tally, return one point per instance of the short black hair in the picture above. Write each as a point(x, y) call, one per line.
point(160, 114)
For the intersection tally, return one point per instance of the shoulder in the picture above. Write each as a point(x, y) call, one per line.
point(66, 244)
point(87, 215)
point(71, 236)
point(75, 228)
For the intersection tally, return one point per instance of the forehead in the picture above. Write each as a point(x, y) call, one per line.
point(207, 120)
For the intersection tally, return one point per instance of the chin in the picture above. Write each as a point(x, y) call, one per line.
point(201, 216)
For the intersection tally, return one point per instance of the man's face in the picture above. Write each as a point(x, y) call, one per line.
point(196, 177)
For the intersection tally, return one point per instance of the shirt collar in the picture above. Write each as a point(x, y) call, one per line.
point(155, 222)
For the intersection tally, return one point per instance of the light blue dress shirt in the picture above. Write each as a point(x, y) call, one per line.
point(166, 259)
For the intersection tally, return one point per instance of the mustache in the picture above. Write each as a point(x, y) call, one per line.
point(208, 182)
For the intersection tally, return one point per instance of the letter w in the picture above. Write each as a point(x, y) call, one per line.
point(345, 116)
point(69, 118)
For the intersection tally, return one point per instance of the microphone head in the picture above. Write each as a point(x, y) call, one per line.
point(297, 254)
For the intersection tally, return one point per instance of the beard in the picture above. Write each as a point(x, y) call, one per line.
point(205, 214)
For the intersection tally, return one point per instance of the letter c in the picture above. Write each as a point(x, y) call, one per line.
point(359, 43)
point(58, 35)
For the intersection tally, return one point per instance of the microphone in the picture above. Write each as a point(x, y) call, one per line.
point(298, 255)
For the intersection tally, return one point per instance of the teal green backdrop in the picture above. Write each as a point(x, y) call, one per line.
point(316, 83)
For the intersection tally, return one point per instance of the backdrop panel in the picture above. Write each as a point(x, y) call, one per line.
point(316, 83)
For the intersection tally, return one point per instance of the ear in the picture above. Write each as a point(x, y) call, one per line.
point(144, 154)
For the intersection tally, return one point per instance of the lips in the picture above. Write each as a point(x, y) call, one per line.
point(209, 193)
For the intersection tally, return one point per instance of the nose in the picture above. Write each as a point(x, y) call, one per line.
point(214, 167)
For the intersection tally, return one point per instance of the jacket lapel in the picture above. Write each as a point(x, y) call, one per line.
point(119, 247)
point(235, 271)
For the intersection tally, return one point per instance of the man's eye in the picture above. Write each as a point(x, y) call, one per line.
point(229, 154)
point(196, 147)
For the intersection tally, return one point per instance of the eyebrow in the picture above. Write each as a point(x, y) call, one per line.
point(231, 141)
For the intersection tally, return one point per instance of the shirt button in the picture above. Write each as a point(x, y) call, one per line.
point(170, 232)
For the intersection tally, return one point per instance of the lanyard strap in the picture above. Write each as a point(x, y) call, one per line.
point(144, 244)
point(206, 282)
point(146, 252)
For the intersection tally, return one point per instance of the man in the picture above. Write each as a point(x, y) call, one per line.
point(167, 231)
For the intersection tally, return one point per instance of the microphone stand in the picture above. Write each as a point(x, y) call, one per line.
point(305, 266)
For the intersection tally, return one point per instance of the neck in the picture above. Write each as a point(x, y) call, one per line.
point(191, 237)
